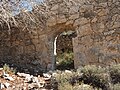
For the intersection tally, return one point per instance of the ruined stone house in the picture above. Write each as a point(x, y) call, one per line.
point(96, 22)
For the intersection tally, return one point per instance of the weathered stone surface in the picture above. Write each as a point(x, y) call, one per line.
point(95, 21)
point(81, 21)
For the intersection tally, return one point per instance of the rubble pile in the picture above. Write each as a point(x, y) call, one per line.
point(23, 81)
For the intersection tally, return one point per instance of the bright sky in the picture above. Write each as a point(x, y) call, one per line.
point(26, 5)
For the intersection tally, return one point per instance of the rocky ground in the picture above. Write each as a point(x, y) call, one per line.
point(23, 81)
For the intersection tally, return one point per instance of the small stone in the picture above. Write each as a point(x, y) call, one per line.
point(94, 20)
point(74, 16)
point(33, 85)
point(35, 79)
point(29, 79)
point(54, 74)
point(9, 78)
point(23, 75)
point(54, 7)
point(85, 87)
point(81, 21)
point(2, 86)
point(68, 71)
point(5, 75)
point(6, 85)
point(47, 76)
point(1, 69)
point(61, 19)
point(41, 80)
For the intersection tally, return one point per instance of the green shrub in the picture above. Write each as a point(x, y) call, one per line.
point(63, 80)
point(9, 70)
point(116, 87)
point(115, 73)
point(82, 86)
point(65, 61)
point(95, 76)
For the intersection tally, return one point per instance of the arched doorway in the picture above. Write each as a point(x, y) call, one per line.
point(63, 50)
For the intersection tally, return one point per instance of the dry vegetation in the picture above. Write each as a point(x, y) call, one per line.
point(13, 15)
point(89, 78)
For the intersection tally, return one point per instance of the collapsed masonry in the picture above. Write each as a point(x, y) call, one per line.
point(97, 23)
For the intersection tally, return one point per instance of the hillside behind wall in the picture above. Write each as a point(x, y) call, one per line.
point(97, 23)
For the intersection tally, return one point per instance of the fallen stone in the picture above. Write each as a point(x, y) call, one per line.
point(35, 86)
point(6, 85)
point(54, 74)
point(23, 75)
point(47, 76)
point(1, 69)
point(41, 85)
point(28, 79)
point(68, 71)
point(35, 79)
point(2, 86)
point(86, 87)
point(5, 74)
point(9, 78)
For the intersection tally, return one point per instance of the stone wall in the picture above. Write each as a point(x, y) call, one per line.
point(97, 23)
point(24, 50)
point(97, 26)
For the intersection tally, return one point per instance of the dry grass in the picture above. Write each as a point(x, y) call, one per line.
point(7, 69)
point(90, 78)
point(24, 19)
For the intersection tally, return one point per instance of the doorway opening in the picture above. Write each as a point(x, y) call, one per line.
point(63, 50)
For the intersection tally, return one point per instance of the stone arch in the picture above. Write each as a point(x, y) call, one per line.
point(54, 31)
point(91, 20)
point(66, 39)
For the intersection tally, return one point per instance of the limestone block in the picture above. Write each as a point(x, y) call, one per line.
point(109, 32)
point(103, 12)
point(104, 5)
point(76, 51)
point(81, 47)
point(118, 48)
point(84, 8)
point(94, 20)
point(103, 19)
point(108, 38)
point(69, 22)
point(89, 14)
point(86, 41)
point(117, 31)
point(74, 16)
point(73, 9)
point(61, 19)
point(81, 21)
point(111, 59)
point(55, 7)
point(39, 47)
point(116, 25)
point(101, 1)
point(98, 37)
point(51, 21)
point(85, 30)
point(112, 48)
point(98, 27)
point(93, 54)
